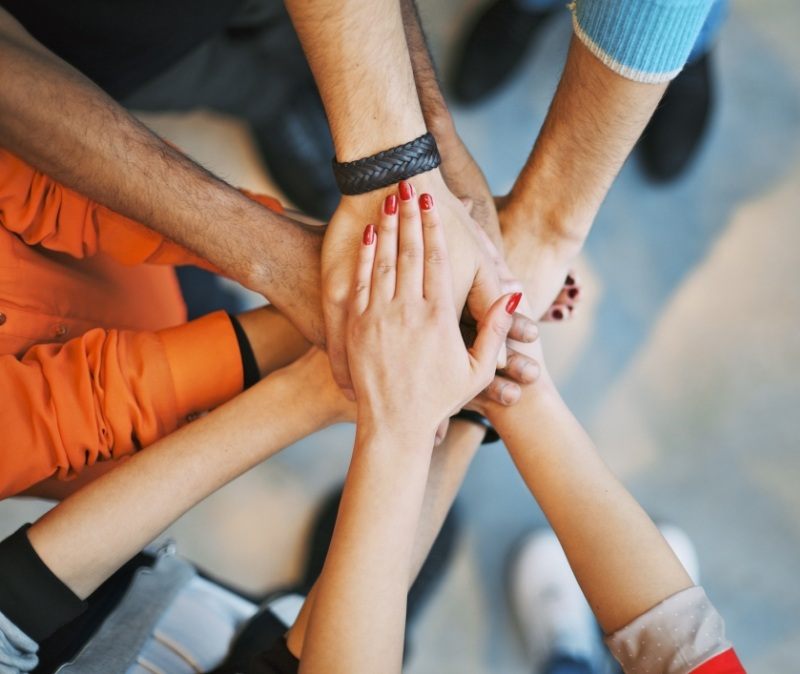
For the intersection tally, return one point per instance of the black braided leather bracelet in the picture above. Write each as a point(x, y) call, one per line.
point(480, 420)
point(387, 167)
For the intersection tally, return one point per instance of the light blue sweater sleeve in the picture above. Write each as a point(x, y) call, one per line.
point(642, 40)
point(17, 649)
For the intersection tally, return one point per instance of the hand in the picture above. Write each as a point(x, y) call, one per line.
point(474, 279)
point(408, 360)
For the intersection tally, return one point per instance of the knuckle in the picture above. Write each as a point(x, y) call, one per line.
point(385, 267)
point(411, 251)
point(435, 255)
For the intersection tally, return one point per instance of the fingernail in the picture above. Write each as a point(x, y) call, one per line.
point(369, 235)
point(513, 302)
point(558, 314)
point(570, 281)
point(426, 202)
point(531, 332)
point(406, 191)
point(390, 205)
point(572, 293)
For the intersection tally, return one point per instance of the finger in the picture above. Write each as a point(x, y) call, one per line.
point(493, 331)
point(521, 368)
point(335, 325)
point(437, 282)
point(557, 312)
point(384, 271)
point(363, 280)
point(523, 329)
point(502, 390)
point(410, 248)
point(484, 292)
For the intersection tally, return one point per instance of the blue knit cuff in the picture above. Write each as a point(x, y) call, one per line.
point(642, 40)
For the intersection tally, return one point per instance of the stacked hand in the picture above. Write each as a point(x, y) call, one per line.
point(408, 359)
point(474, 278)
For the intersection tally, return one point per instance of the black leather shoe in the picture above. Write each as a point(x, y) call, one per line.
point(494, 48)
point(297, 148)
point(674, 134)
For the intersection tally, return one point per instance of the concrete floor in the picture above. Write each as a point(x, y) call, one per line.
point(683, 363)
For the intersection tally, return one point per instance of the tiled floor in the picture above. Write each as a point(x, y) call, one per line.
point(683, 363)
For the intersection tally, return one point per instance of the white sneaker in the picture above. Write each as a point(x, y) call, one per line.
point(550, 610)
point(548, 605)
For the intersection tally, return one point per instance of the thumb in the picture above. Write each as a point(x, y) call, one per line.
point(493, 331)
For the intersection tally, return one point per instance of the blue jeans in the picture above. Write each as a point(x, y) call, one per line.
point(564, 664)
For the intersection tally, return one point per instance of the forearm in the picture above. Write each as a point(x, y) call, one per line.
point(594, 120)
point(359, 58)
point(620, 559)
point(366, 572)
point(92, 533)
point(449, 464)
point(58, 121)
point(463, 176)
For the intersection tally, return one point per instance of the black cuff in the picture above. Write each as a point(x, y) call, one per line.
point(249, 365)
point(31, 596)
point(468, 415)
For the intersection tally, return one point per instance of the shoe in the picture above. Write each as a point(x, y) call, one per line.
point(428, 579)
point(676, 130)
point(552, 615)
point(297, 148)
point(494, 48)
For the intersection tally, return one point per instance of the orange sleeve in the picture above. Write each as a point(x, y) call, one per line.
point(107, 394)
point(43, 212)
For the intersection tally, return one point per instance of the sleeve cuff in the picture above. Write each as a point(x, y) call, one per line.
point(31, 596)
point(645, 40)
point(673, 637)
point(205, 363)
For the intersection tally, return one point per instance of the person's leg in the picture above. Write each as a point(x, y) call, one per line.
point(496, 44)
point(255, 69)
point(676, 131)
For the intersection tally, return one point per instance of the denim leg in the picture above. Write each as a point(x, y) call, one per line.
point(567, 664)
point(540, 5)
point(708, 33)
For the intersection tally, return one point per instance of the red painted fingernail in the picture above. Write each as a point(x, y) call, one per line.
point(406, 191)
point(558, 314)
point(513, 302)
point(570, 281)
point(572, 293)
point(390, 205)
point(369, 235)
point(426, 202)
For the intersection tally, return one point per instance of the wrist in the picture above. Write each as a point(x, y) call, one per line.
point(390, 430)
point(549, 223)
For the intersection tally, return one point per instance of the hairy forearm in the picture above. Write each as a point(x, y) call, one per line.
point(93, 532)
point(358, 54)
point(594, 120)
point(366, 572)
point(462, 174)
point(620, 559)
point(57, 120)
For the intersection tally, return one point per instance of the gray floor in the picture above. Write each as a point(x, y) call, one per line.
point(683, 363)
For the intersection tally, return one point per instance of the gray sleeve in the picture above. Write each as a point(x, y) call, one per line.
point(674, 637)
point(17, 649)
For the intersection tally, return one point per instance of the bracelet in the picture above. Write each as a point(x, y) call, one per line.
point(387, 167)
point(468, 415)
